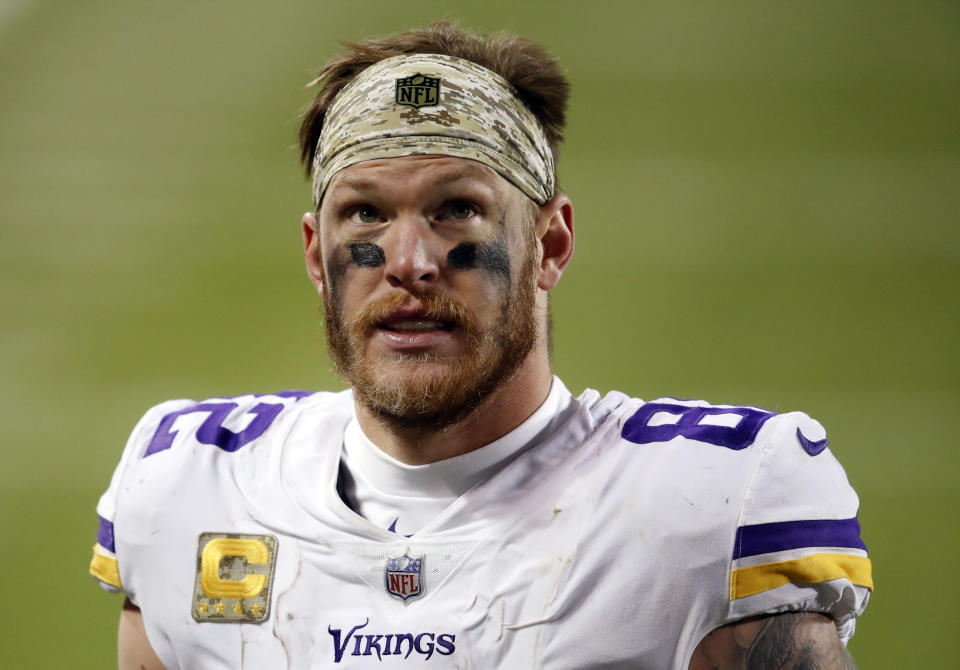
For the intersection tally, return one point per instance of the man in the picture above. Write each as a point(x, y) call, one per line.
point(459, 507)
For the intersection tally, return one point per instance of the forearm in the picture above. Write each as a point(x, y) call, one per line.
point(133, 648)
point(798, 641)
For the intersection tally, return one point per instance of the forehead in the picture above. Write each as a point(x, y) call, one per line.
point(421, 173)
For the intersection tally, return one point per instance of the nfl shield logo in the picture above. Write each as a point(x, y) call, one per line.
point(403, 576)
point(418, 90)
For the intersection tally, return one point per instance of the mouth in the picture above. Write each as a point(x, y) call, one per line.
point(415, 321)
point(416, 328)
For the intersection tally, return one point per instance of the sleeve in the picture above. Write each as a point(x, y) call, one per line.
point(797, 546)
point(105, 566)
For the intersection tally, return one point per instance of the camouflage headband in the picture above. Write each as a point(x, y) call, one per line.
point(432, 104)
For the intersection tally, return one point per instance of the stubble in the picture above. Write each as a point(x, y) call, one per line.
point(415, 397)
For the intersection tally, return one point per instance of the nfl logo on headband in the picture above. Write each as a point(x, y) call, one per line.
point(418, 90)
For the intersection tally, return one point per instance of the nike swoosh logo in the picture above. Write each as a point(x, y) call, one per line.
point(812, 447)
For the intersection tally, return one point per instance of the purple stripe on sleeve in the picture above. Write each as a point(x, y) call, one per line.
point(764, 538)
point(105, 535)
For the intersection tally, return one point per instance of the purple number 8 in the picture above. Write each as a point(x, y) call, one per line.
point(690, 425)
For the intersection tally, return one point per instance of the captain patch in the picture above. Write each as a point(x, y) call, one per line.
point(234, 577)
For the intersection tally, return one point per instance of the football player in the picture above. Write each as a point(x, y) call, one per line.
point(458, 506)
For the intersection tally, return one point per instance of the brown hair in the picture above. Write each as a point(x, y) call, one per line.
point(532, 72)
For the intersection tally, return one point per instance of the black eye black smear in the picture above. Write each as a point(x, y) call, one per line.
point(367, 254)
point(363, 254)
point(490, 256)
point(463, 256)
point(336, 264)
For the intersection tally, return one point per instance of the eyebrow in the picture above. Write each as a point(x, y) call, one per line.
point(358, 184)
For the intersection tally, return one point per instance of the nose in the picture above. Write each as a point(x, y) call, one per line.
point(411, 250)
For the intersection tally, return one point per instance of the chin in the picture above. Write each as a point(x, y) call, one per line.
point(420, 392)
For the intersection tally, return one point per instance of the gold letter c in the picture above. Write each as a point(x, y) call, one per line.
point(255, 551)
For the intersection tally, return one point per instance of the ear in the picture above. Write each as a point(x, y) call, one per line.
point(311, 250)
point(555, 233)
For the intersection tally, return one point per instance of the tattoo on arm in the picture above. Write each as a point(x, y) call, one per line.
point(797, 641)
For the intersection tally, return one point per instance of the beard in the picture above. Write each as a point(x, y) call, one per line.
point(420, 397)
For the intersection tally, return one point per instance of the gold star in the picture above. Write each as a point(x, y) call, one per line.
point(255, 608)
point(204, 606)
point(219, 607)
point(238, 608)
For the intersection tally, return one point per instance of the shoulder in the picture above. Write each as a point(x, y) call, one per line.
point(684, 466)
point(779, 466)
point(673, 432)
point(733, 427)
point(216, 439)
point(793, 441)
point(791, 538)
point(220, 439)
point(798, 545)
point(213, 460)
point(227, 423)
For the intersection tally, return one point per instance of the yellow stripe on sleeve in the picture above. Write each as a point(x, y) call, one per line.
point(105, 568)
point(807, 570)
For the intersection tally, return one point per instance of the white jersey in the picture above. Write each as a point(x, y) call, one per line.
point(619, 539)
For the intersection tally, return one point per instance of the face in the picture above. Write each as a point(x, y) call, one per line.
point(429, 284)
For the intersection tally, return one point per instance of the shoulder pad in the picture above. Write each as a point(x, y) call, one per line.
point(728, 426)
point(228, 423)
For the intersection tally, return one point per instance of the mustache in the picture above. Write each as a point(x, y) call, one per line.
point(433, 306)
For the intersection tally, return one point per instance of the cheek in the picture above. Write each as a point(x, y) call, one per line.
point(367, 255)
point(494, 258)
point(463, 256)
point(335, 262)
point(362, 254)
point(341, 257)
point(491, 257)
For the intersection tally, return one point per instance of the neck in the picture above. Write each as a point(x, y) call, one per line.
point(504, 409)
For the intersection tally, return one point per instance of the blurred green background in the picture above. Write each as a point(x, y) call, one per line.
point(767, 194)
